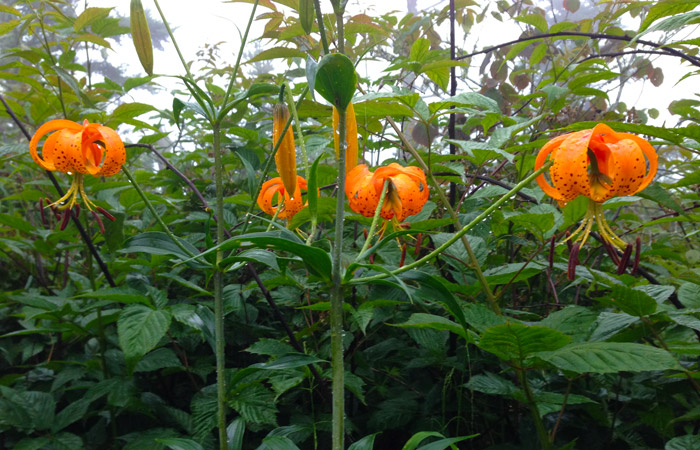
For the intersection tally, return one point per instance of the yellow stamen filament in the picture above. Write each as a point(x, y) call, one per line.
point(607, 232)
point(595, 214)
point(70, 198)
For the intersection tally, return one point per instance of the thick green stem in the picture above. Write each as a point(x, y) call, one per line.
point(218, 290)
point(375, 221)
point(337, 361)
point(493, 302)
point(532, 404)
point(458, 234)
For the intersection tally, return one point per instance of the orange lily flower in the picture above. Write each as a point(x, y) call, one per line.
point(290, 207)
point(87, 149)
point(599, 164)
point(406, 194)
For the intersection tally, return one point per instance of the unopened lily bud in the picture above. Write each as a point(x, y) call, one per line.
point(286, 157)
point(351, 150)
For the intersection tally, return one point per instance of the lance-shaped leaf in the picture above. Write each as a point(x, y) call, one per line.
point(306, 15)
point(141, 35)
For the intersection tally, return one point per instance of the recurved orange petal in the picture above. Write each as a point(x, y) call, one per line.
point(52, 125)
point(546, 150)
point(362, 197)
point(275, 187)
point(114, 151)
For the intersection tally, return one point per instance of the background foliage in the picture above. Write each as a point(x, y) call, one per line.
point(119, 353)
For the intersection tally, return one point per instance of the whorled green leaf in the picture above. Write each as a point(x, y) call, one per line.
point(141, 35)
point(336, 80)
point(517, 342)
point(609, 357)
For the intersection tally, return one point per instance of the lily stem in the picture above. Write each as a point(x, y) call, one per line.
point(545, 441)
point(155, 214)
point(337, 361)
point(493, 302)
point(218, 290)
point(375, 221)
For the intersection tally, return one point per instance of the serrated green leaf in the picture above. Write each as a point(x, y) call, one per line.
point(516, 342)
point(609, 357)
point(431, 321)
point(633, 302)
point(140, 328)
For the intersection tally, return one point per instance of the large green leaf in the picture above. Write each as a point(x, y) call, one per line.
point(633, 302)
point(336, 79)
point(159, 243)
point(140, 328)
point(423, 320)
point(610, 357)
point(316, 260)
point(516, 342)
point(366, 443)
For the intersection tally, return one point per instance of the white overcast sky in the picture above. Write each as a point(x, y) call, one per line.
point(212, 21)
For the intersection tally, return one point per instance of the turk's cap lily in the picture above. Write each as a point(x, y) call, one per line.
point(275, 187)
point(598, 163)
point(407, 190)
point(88, 149)
point(79, 150)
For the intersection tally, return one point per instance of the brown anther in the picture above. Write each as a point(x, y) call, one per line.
point(573, 261)
point(403, 255)
point(64, 221)
point(104, 212)
point(99, 222)
point(76, 208)
point(612, 252)
point(637, 253)
point(419, 241)
point(624, 260)
point(364, 232)
point(568, 241)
